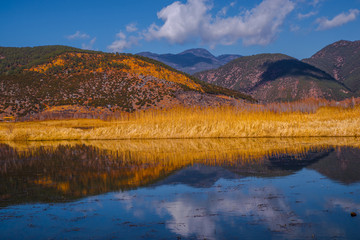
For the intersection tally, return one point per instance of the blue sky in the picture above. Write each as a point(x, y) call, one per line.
point(298, 28)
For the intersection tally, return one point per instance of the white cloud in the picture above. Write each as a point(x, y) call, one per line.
point(338, 20)
point(294, 28)
point(122, 42)
point(274, 213)
point(131, 27)
point(192, 20)
point(193, 215)
point(346, 204)
point(82, 36)
point(314, 3)
point(121, 35)
point(88, 46)
point(78, 35)
point(258, 26)
point(306, 15)
point(182, 21)
point(225, 9)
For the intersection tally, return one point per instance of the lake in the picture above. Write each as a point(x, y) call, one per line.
point(301, 188)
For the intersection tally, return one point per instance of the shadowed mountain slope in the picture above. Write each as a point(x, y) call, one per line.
point(276, 77)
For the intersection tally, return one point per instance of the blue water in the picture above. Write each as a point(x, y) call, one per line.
point(303, 204)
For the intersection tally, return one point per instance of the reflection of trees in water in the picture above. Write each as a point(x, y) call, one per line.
point(72, 172)
point(62, 171)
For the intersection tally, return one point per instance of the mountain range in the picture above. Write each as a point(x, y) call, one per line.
point(332, 73)
point(276, 77)
point(63, 80)
point(60, 81)
point(192, 60)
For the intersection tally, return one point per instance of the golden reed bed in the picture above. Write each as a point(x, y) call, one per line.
point(216, 122)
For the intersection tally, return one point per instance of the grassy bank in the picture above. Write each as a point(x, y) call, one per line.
point(220, 122)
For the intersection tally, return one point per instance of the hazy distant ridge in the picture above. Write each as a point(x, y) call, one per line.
point(192, 60)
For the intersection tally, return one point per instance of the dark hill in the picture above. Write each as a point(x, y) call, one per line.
point(37, 80)
point(342, 61)
point(275, 77)
point(192, 60)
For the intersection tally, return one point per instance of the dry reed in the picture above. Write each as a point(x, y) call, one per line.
point(180, 122)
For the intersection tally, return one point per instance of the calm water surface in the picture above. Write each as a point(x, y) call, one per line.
point(181, 189)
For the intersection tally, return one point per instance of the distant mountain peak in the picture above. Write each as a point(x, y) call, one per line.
point(201, 52)
point(337, 45)
point(340, 60)
point(192, 60)
point(141, 53)
point(344, 43)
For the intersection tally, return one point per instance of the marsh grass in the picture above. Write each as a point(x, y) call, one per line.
point(196, 122)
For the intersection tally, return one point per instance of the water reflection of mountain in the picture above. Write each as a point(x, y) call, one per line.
point(274, 166)
point(199, 176)
point(342, 164)
point(50, 172)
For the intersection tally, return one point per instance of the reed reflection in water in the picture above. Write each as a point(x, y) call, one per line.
point(62, 171)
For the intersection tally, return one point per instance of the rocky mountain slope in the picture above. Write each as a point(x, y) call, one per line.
point(342, 61)
point(36, 80)
point(192, 60)
point(276, 77)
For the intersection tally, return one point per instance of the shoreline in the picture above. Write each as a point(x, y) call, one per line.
point(187, 123)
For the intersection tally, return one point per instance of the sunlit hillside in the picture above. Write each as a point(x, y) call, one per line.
point(34, 80)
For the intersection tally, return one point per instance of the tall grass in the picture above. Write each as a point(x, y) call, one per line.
point(197, 122)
